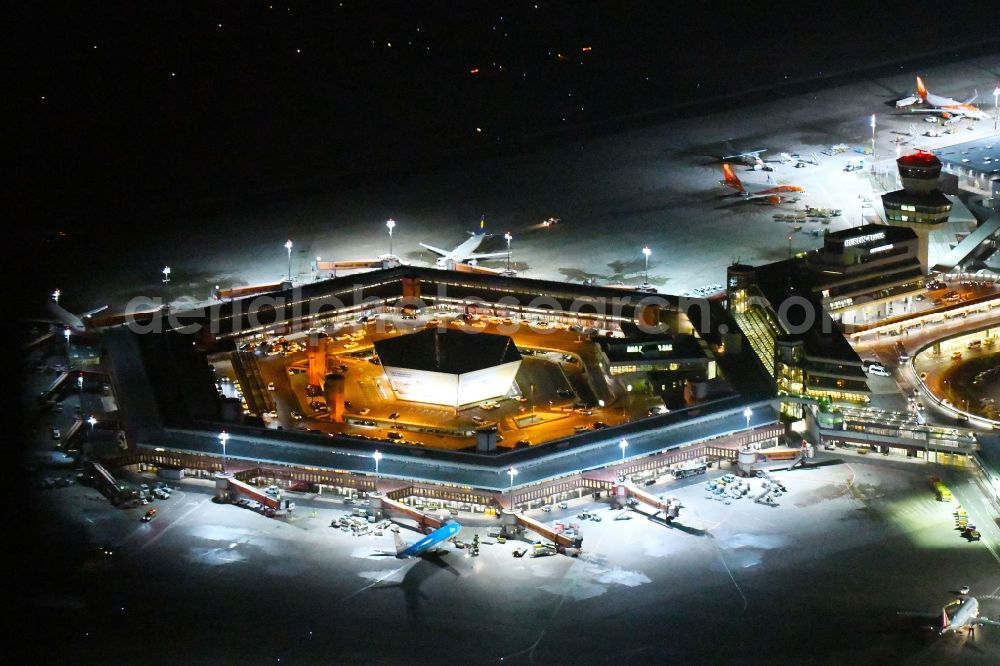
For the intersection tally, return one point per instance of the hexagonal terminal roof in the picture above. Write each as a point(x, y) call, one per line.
point(442, 350)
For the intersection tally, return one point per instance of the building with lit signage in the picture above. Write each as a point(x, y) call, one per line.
point(792, 311)
point(669, 361)
point(453, 368)
point(858, 273)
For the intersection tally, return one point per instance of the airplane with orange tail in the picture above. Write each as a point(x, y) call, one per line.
point(772, 193)
point(945, 106)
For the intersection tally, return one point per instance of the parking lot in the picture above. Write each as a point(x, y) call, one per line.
point(550, 384)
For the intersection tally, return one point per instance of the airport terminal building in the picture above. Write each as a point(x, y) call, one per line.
point(172, 412)
point(976, 164)
point(792, 311)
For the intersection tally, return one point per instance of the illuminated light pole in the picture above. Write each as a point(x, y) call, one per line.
point(623, 444)
point(747, 413)
point(627, 411)
point(166, 274)
point(55, 295)
point(79, 385)
point(873, 142)
point(996, 98)
point(223, 437)
point(288, 246)
point(66, 334)
point(510, 489)
point(92, 421)
point(507, 237)
point(789, 246)
point(390, 225)
point(376, 456)
point(645, 253)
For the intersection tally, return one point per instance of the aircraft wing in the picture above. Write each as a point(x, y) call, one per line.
point(907, 101)
point(943, 111)
point(486, 255)
point(749, 153)
point(89, 313)
point(437, 250)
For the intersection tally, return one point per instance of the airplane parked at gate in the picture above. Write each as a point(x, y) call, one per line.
point(966, 617)
point(772, 193)
point(424, 545)
point(945, 106)
point(75, 323)
point(750, 158)
point(466, 252)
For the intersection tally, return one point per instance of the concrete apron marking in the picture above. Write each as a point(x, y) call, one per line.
point(169, 527)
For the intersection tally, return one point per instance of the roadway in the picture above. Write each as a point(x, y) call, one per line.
point(893, 393)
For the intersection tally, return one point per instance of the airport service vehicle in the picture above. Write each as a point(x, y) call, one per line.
point(690, 470)
point(946, 107)
point(148, 516)
point(854, 165)
point(942, 491)
point(772, 193)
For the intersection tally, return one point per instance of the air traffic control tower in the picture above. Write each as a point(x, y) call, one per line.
point(920, 205)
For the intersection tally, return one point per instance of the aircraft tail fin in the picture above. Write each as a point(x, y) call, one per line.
point(730, 178)
point(921, 89)
point(400, 544)
point(945, 621)
point(975, 96)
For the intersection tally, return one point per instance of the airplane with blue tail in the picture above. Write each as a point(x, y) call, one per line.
point(418, 548)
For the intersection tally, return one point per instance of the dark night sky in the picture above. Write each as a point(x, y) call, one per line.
point(171, 110)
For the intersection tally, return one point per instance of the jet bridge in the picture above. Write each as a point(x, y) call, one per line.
point(670, 508)
point(424, 520)
point(529, 523)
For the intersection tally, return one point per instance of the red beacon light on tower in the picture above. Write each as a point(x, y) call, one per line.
point(919, 158)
